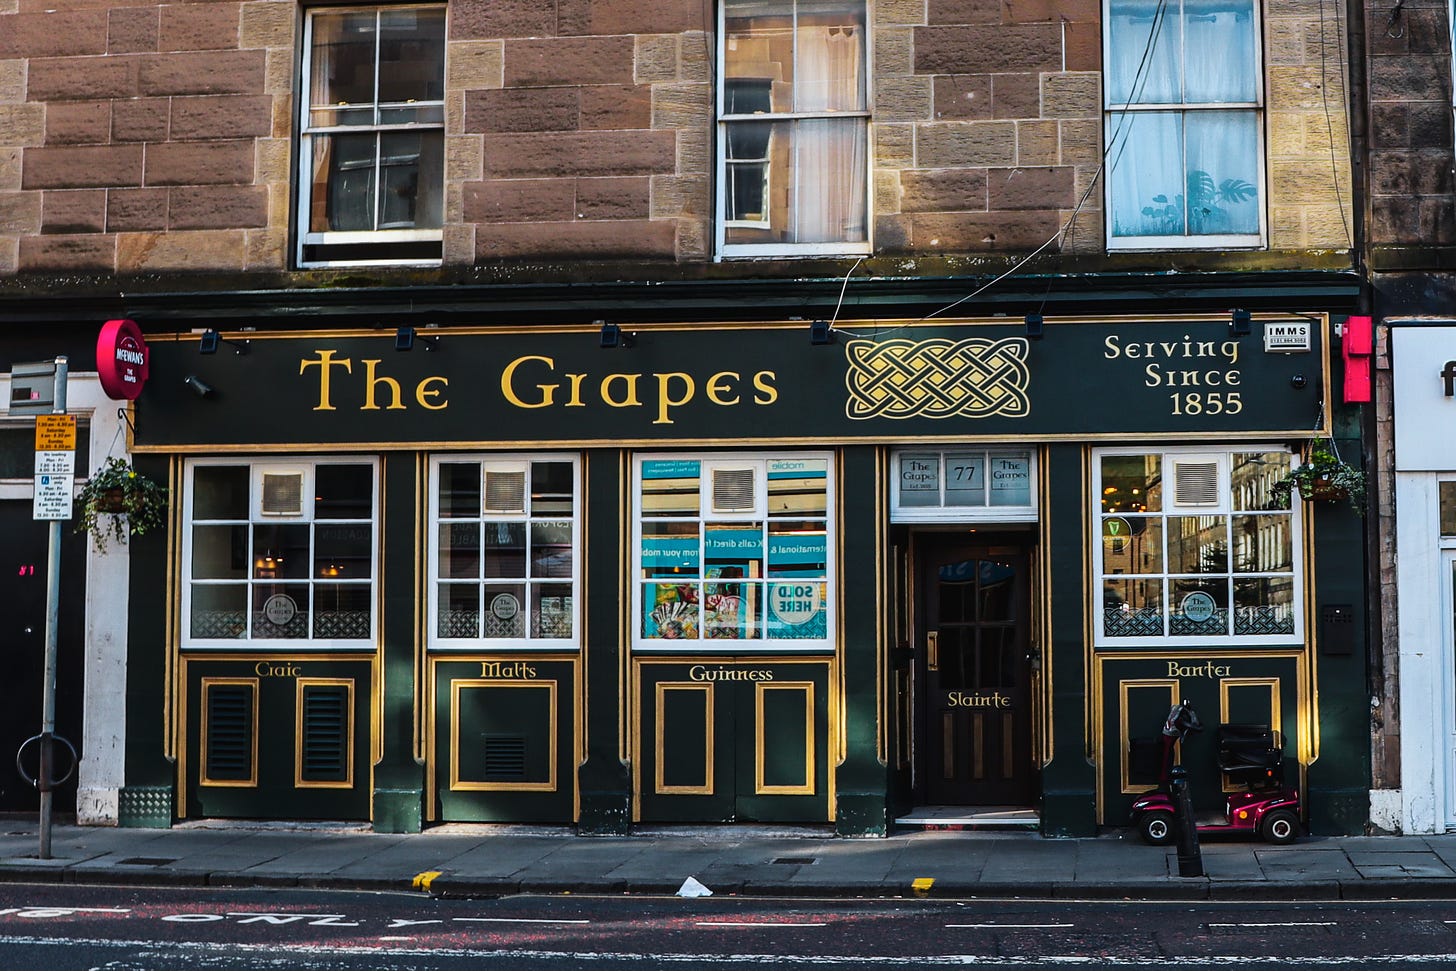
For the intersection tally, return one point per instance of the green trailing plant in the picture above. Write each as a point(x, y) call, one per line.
point(130, 502)
point(1323, 475)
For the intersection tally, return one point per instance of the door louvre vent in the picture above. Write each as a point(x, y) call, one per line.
point(282, 493)
point(325, 733)
point(229, 752)
point(733, 490)
point(505, 758)
point(505, 492)
point(1196, 483)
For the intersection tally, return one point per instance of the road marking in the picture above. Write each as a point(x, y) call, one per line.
point(520, 920)
point(396, 938)
point(1017, 926)
point(759, 923)
point(423, 880)
point(1289, 923)
point(922, 884)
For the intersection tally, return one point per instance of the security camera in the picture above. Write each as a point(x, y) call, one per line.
point(199, 387)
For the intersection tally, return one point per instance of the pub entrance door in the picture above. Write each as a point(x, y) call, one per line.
point(973, 673)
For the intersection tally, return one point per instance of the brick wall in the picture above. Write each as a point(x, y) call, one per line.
point(149, 137)
point(1410, 125)
point(142, 138)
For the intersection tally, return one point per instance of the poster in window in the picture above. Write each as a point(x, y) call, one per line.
point(670, 611)
point(919, 480)
point(796, 611)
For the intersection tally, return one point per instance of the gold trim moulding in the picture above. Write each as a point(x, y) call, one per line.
point(660, 786)
point(1125, 730)
point(456, 785)
point(300, 684)
point(761, 688)
point(204, 685)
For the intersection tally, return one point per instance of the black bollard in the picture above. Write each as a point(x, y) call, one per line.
point(1190, 857)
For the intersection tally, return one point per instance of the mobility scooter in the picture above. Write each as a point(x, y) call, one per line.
point(1250, 756)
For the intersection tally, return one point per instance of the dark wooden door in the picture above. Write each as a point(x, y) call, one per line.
point(974, 670)
point(22, 645)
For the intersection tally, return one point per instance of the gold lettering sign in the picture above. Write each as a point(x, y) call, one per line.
point(507, 669)
point(276, 669)
point(961, 699)
point(701, 672)
point(1207, 669)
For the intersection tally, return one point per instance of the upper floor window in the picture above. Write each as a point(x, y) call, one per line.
point(1183, 124)
point(280, 551)
point(1194, 549)
point(371, 182)
point(793, 128)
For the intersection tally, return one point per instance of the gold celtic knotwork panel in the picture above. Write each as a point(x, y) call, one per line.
point(977, 377)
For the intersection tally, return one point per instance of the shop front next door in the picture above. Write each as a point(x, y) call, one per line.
point(973, 672)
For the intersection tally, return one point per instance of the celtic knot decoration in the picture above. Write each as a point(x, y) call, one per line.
point(973, 378)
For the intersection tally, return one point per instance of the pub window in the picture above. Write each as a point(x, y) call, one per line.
point(505, 552)
point(1184, 116)
point(733, 553)
point(964, 484)
point(793, 128)
point(1446, 496)
point(280, 551)
point(1193, 548)
point(371, 141)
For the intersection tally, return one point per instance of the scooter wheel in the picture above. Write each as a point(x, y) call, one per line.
point(1279, 827)
point(1156, 827)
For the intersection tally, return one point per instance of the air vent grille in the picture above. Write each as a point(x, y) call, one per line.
point(733, 490)
point(505, 758)
point(1196, 483)
point(505, 492)
point(325, 733)
point(229, 752)
point(282, 493)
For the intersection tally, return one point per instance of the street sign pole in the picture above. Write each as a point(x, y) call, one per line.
point(52, 623)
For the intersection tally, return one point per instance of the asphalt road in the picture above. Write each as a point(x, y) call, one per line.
point(58, 928)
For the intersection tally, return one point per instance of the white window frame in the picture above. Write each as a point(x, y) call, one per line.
point(1168, 455)
point(725, 250)
point(505, 462)
point(255, 466)
point(708, 646)
point(1117, 116)
point(378, 238)
point(942, 513)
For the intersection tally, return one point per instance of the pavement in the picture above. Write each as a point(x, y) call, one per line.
point(498, 860)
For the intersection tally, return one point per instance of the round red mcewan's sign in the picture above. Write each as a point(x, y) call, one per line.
point(122, 359)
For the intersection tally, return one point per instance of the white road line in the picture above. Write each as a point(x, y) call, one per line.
point(519, 920)
point(759, 923)
point(396, 938)
point(1290, 923)
point(1013, 926)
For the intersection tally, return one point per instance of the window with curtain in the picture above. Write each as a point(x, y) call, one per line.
point(1183, 100)
point(793, 128)
point(371, 145)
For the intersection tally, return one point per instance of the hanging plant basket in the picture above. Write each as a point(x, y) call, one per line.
point(1323, 477)
point(117, 501)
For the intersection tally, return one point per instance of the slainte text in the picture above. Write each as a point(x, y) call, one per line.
point(960, 699)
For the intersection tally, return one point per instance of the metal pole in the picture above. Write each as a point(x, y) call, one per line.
point(53, 613)
point(1190, 856)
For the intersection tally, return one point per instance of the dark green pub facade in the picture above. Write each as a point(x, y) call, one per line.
point(734, 571)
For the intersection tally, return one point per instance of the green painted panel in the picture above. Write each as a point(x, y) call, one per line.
point(1259, 689)
point(788, 757)
point(687, 736)
point(242, 731)
point(505, 736)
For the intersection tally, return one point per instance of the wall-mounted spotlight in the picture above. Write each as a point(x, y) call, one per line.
point(211, 339)
point(821, 332)
point(1034, 327)
point(612, 336)
point(199, 387)
point(1241, 322)
point(405, 337)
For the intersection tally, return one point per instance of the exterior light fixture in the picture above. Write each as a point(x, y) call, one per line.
point(405, 337)
point(1241, 322)
point(210, 340)
point(612, 336)
point(821, 332)
point(1034, 326)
